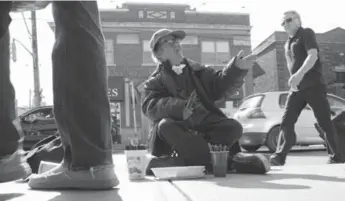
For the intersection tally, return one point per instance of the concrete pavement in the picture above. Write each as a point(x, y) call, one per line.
point(147, 190)
point(295, 181)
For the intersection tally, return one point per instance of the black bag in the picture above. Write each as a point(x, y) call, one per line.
point(49, 149)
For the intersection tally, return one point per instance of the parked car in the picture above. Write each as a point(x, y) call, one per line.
point(37, 124)
point(260, 115)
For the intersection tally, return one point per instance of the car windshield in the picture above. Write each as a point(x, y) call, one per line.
point(251, 102)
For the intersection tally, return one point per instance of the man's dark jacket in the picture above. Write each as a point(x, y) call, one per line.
point(162, 100)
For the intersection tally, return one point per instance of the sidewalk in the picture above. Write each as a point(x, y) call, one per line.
point(297, 183)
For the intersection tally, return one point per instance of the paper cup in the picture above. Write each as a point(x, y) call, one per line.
point(220, 163)
point(136, 163)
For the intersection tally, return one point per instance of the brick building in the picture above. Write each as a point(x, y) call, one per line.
point(271, 58)
point(212, 39)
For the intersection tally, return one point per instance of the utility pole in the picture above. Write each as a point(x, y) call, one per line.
point(37, 87)
point(30, 98)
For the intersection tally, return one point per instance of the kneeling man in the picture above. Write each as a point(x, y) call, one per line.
point(180, 98)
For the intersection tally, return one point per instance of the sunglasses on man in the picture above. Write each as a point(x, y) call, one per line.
point(288, 20)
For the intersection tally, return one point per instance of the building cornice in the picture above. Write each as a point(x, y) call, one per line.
point(198, 32)
point(193, 12)
point(172, 25)
point(189, 28)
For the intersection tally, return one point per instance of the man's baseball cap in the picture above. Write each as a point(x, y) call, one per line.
point(163, 33)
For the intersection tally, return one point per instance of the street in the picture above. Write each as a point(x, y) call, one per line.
point(312, 155)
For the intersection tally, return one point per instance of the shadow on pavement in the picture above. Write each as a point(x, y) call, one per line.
point(267, 181)
point(8, 196)
point(107, 195)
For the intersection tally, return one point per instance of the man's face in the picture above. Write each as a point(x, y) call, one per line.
point(170, 49)
point(290, 23)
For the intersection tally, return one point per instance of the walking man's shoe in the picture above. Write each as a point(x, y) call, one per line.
point(277, 160)
point(333, 160)
point(14, 167)
point(60, 177)
point(251, 163)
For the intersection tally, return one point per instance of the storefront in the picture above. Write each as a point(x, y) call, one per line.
point(125, 107)
point(116, 88)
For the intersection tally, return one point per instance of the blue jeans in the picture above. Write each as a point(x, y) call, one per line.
point(81, 105)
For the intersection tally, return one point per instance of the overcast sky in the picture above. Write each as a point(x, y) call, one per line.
point(265, 17)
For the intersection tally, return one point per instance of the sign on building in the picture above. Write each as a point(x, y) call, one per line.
point(116, 86)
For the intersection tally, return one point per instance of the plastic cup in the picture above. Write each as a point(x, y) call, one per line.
point(136, 163)
point(220, 163)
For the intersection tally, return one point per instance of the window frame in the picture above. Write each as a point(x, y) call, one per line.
point(147, 42)
point(216, 53)
point(109, 52)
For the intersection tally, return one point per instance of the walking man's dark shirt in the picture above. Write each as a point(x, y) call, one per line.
point(296, 49)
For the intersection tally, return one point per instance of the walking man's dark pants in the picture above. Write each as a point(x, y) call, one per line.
point(81, 104)
point(192, 148)
point(316, 98)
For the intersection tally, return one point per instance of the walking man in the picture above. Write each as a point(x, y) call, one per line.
point(307, 87)
point(81, 105)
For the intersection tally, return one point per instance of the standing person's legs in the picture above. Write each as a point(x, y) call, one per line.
point(81, 104)
point(317, 99)
point(287, 137)
point(12, 163)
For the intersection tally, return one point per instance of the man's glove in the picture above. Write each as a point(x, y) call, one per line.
point(190, 106)
point(194, 111)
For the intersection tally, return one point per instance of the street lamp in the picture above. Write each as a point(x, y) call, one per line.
point(14, 49)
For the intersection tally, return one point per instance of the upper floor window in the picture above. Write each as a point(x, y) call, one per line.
point(147, 58)
point(172, 15)
point(109, 51)
point(190, 40)
point(127, 39)
point(215, 52)
point(141, 14)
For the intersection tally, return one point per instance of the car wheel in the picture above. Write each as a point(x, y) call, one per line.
point(272, 139)
point(251, 148)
